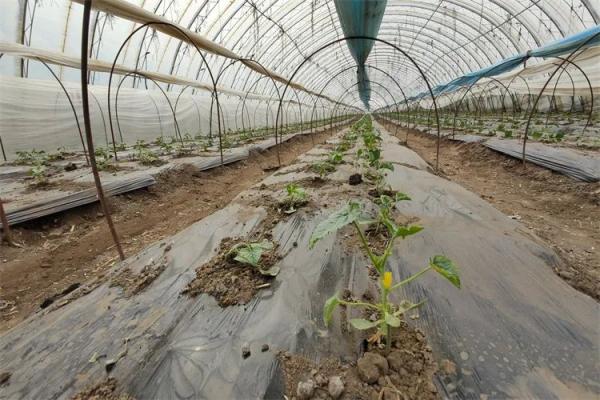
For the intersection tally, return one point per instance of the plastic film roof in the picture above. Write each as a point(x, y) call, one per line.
point(446, 38)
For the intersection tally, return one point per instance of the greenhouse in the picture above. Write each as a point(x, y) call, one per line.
point(299, 199)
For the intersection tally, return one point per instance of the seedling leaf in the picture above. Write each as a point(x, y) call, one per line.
point(346, 215)
point(363, 324)
point(392, 320)
point(401, 196)
point(250, 253)
point(446, 268)
point(328, 308)
point(404, 231)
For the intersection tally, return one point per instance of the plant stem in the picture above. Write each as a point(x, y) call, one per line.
point(409, 279)
point(365, 245)
point(358, 303)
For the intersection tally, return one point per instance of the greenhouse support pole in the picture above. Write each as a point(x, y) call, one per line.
point(2, 147)
point(5, 228)
point(88, 125)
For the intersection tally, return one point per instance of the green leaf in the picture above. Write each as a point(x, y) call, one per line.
point(348, 214)
point(401, 196)
point(363, 324)
point(250, 253)
point(446, 268)
point(404, 231)
point(392, 320)
point(386, 165)
point(328, 308)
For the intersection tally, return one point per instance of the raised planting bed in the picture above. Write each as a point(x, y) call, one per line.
point(513, 329)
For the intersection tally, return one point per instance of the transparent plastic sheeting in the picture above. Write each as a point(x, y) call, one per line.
point(36, 114)
point(447, 39)
point(571, 82)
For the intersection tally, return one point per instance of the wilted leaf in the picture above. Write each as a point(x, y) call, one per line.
point(392, 320)
point(446, 268)
point(273, 271)
point(349, 213)
point(328, 308)
point(363, 324)
point(404, 231)
point(406, 305)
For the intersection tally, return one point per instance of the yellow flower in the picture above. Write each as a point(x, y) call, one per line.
point(387, 280)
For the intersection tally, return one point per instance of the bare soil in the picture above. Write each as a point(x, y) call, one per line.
point(563, 212)
point(405, 373)
point(75, 246)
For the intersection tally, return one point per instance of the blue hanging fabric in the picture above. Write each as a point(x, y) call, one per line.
point(582, 40)
point(361, 18)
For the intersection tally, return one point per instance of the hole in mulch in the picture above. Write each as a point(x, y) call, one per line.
point(381, 192)
point(133, 283)
point(231, 282)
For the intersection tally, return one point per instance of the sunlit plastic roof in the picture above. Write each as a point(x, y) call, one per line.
point(447, 38)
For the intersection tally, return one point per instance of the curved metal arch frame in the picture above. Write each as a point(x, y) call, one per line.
point(537, 99)
point(64, 89)
point(589, 120)
point(176, 124)
point(249, 27)
point(518, 75)
point(394, 102)
point(375, 40)
point(184, 34)
point(353, 67)
point(457, 109)
point(348, 92)
point(193, 101)
point(85, 28)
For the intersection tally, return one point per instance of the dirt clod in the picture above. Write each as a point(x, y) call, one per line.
point(335, 387)
point(5, 378)
point(106, 390)
point(246, 350)
point(371, 366)
point(355, 179)
point(305, 389)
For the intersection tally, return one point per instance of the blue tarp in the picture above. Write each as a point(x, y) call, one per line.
point(587, 38)
point(361, 18)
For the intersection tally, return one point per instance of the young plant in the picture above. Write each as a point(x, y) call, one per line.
point(336, 157)
point(322, 168)
point(38, 173)
point(388, 314)
point(296, 197)
point(59, 155)
point(251, 254)
point(147, 157)
point(32, 157)
point(121, 146)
